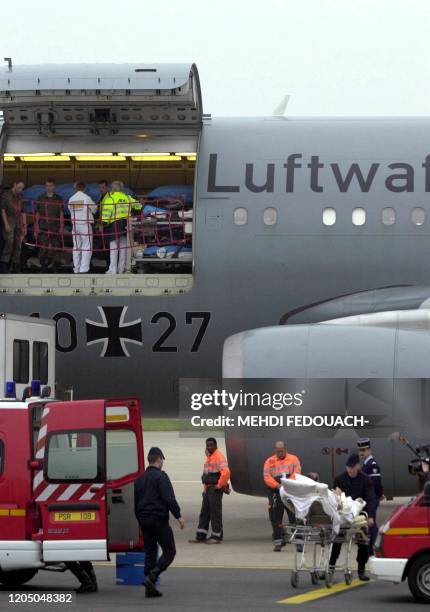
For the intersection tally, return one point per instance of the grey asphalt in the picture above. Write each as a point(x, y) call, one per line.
point(241, 574)
point(214, 589)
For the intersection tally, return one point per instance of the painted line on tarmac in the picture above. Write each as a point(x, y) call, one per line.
point(188, 566)
point(319, 593)
point(230, 566)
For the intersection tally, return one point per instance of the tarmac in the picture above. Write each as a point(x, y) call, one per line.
point(242, 573)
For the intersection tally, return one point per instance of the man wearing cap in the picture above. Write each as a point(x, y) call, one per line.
point(154, 498)
point(371, 468)
point(356, 484)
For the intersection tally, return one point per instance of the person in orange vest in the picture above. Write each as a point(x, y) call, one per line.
point(215, 477)
point(277, 466)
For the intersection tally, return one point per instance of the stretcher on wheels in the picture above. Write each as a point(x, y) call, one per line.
point(312, 549)
point(323, 518)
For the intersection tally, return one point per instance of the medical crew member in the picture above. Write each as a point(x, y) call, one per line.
point(82, 209)
point(356, 484)
point(215, 477)
point(154, 498)
point(277, 466)
point(116, 208)
point(49, 227)
point(14, 227)
point(371, 468)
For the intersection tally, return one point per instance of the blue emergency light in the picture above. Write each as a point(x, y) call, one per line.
point(10, 389)
point(35, 388)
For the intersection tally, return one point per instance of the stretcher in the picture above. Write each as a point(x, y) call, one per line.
point(323, 519)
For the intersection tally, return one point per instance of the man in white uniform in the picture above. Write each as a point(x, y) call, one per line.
point(82, 209)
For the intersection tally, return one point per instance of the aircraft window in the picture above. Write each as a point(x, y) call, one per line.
point(388, 216)
point(21, 361)
point(270, 216)
point(329, 216)
point(240, 216)
point(358, 216)
point(418, 216)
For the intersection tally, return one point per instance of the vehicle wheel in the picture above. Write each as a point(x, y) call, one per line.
point(348, 578)
point(328, 580)
point(16, 578)
point(314, 577)
point(294, 579)
point(419, 579)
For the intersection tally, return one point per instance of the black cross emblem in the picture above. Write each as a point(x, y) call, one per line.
point(113, 332)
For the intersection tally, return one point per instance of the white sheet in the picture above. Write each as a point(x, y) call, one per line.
point(303, 492)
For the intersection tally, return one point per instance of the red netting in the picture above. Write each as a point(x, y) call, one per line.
point(52, 225)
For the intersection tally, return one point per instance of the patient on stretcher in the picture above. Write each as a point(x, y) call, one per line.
point(314, 503)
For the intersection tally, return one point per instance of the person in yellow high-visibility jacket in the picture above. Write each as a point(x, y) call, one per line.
point(116, 207)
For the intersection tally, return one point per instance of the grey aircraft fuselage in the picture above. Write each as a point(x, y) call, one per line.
point(250, 275)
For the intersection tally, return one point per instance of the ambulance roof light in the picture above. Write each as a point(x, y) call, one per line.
point(10, 389)
point(35, 388)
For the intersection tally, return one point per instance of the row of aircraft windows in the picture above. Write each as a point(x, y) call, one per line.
point(329, 216)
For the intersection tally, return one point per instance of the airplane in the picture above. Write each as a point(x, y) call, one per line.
point(296, 222)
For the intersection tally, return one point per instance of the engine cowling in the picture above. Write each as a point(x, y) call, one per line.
point(385, 368)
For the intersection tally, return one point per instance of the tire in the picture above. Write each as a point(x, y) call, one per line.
point(419, 579)
point(348, 578)
point(314, 577)
point(294, 579)
point(16, 578)
point(328, 580)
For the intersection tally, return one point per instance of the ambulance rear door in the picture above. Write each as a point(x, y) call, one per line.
point(71, 489)
point(124, 462)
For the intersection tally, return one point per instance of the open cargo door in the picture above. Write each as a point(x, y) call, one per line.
point(60, 108)
point(70, 490)
point(124, 461)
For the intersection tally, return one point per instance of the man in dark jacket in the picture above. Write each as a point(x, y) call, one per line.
point(154, 498)
point(356, 484)
point(49, 227)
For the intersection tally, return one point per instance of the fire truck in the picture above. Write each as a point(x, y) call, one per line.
point(402, 548)
point(67, 470)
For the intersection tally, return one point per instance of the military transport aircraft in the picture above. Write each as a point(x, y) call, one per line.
point(295, 221)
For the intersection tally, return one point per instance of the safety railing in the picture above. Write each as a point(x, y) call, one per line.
point(142, 228)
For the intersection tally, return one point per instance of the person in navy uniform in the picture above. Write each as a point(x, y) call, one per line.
point(354, 483)
point(371, 468)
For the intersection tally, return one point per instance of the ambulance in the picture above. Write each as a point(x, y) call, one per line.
point(67, 471)
point(27, 352)
point(402, 548)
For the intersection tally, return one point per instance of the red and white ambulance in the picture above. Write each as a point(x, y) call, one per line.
point(402, 548)
point(67, 470)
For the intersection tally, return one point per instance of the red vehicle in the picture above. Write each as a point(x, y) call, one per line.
point(67, 471)
point(402, 549)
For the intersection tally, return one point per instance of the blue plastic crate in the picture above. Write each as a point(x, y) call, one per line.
point(130, 568)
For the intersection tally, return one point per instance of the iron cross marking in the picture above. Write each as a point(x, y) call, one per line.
point(113, 332)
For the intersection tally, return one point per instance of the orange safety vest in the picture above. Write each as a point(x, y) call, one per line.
point(274, 468)
point(217, 463)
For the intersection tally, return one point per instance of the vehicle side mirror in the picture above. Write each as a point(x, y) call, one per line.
point(426, 498)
